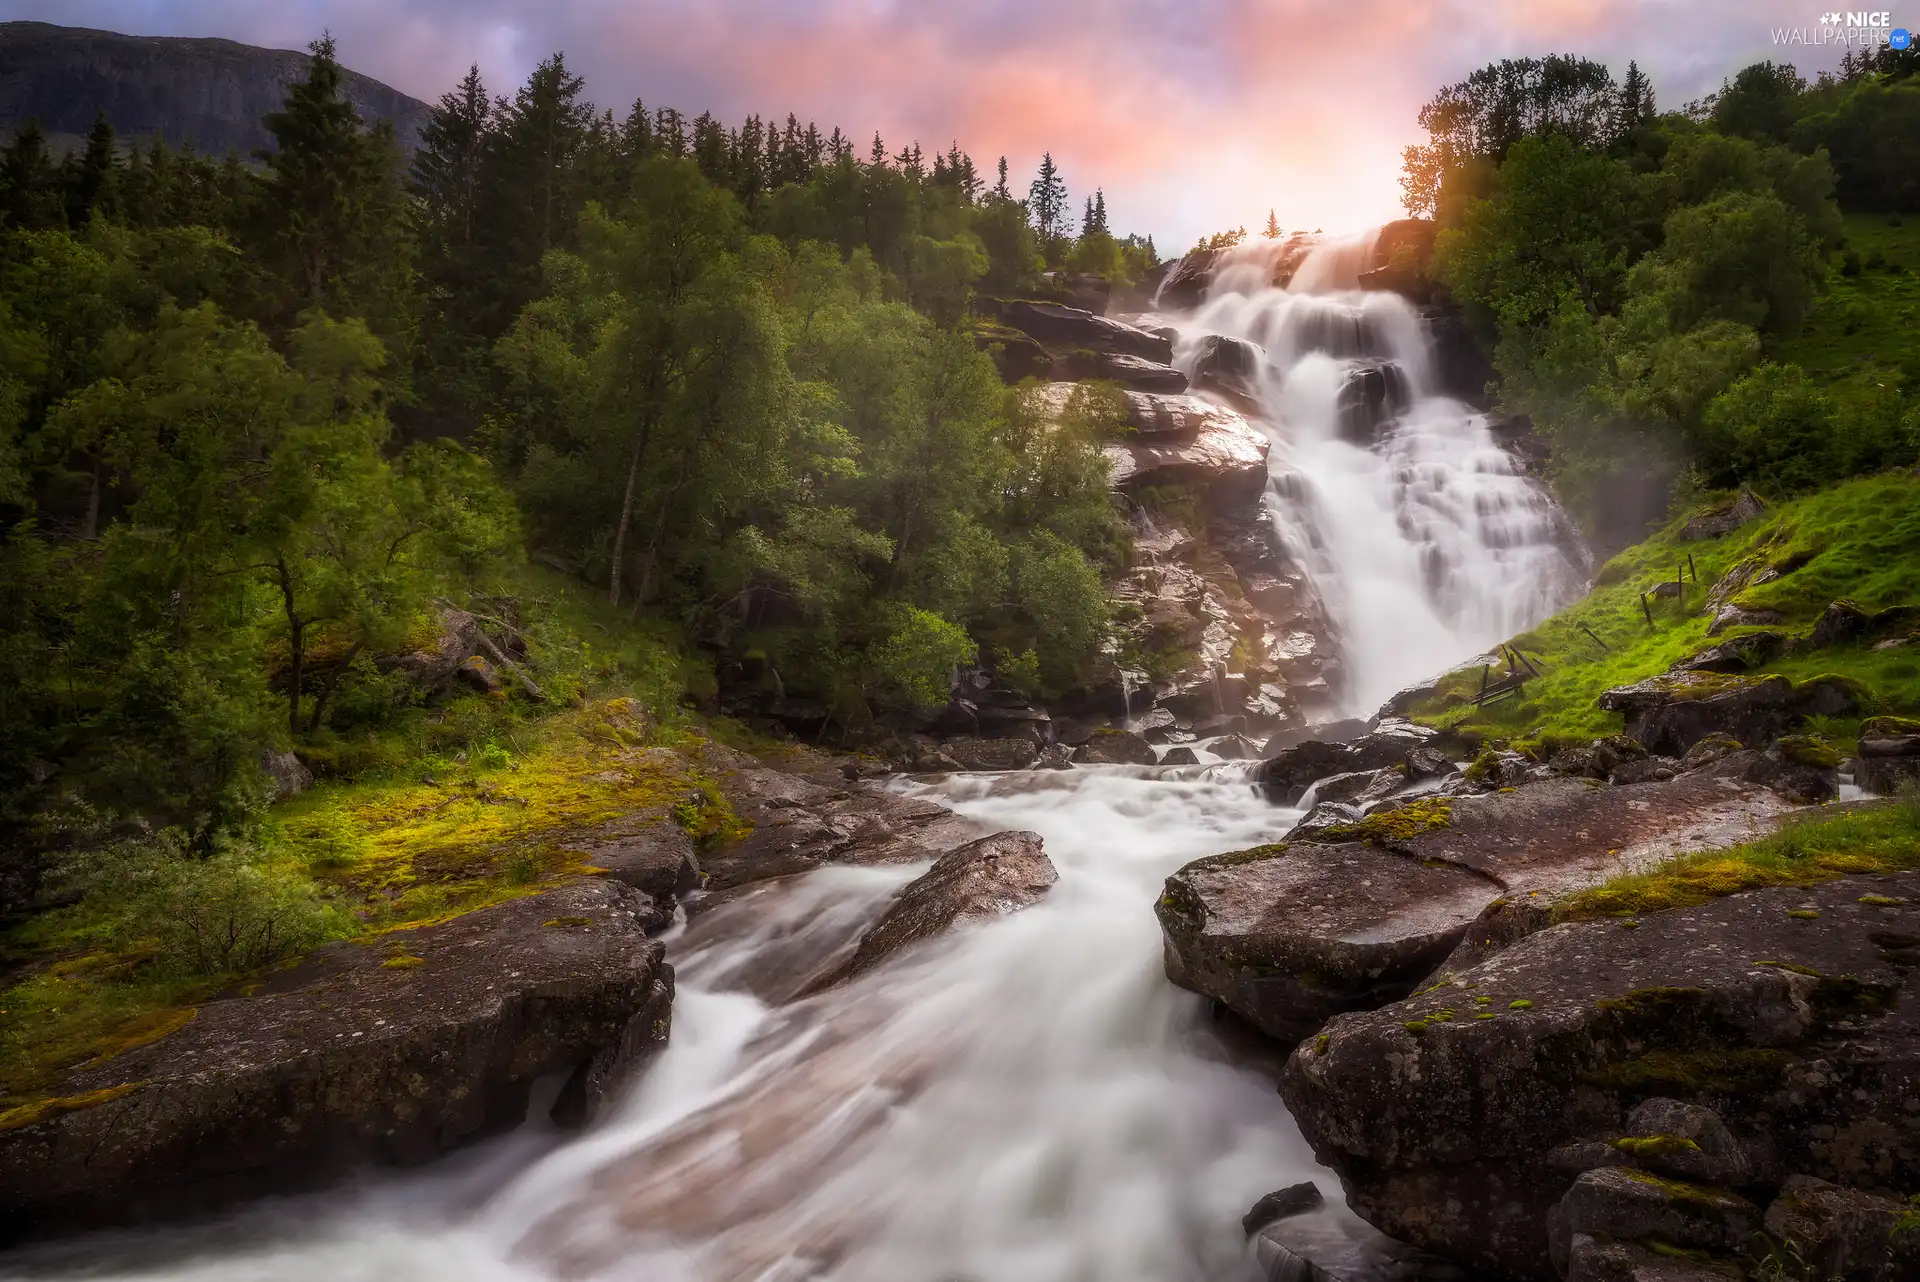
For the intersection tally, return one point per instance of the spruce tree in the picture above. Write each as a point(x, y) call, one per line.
point(1634, 105)
point(1273, 226)
point(29, 194)
point(1000, 190)
point(91, 185)
point(333, 206)
point(1100, 212)
point(449, 168)
point(1047, 200)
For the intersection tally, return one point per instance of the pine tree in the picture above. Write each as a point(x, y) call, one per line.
point(1634, 105)
point(1100, 212)
point(1047, 199)
point(636, 134)
point(449, 167)
point(877, 158)
point(29, 194)
point(333, 205)
point(1273, 231)
point(1086, 219)
point(1000, 190)
point(91, 186)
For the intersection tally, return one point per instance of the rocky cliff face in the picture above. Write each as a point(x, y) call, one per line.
point(210, 93)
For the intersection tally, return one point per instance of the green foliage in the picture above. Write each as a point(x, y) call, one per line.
point(216, 914)
point(922, 651)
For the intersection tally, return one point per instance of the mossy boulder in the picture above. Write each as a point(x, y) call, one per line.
point(1889, 754)
point(348, 1060)
point(1447, 1138)
point(1109, 747)
point(1670, 713)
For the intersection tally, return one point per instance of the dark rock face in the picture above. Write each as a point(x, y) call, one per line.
point(1209, 445)
point(1460, 364)
point(352, 1058)
point(800, 824)
point(1622, 1204)
point(1736, 655)
point(1015, 355)
point(981, 880)
point(1129, 371)
point(1289, 935)
point(1400, 257)
point(1089, 291)
point(1457, 1117)
point(1845, 1233)
point(1289, 772)
point(1230, 369)
point(1671, 713)
point(1889, 754)
point(1115, 748)
point(1280, 1204)
point(1373, 395)
point(1185, 283)
point(994, 754)
point(211, 93)
point(1746, 506)
point(1058, 327)
point(659, 862)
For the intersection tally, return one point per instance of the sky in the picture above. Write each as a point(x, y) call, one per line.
point(1192, 115)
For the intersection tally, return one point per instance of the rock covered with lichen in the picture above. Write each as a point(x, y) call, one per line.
point(1349, 913)
point(388, 1051)
point(1501, 1117)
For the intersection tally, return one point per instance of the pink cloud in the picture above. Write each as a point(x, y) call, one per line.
point(1192, 115)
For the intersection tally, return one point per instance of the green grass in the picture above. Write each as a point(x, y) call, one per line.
point(1878, 838)
point(1869, 323)
point(1857, 540)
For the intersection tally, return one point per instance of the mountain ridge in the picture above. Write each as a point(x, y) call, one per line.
point(206, 91)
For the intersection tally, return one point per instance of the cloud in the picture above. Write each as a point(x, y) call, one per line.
point(1191, 114)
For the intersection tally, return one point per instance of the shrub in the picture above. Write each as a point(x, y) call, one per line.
point(216, 914)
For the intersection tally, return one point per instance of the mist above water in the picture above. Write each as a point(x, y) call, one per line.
point(1428, 543)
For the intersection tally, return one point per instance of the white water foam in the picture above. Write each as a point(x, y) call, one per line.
point(1428, 545)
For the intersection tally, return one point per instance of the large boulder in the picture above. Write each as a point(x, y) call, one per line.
point(1230, 369)
point(983, 879)
point(1461, 366)
point(1226, 455)
point(1015, 355)
point(1401, 253)
point(1451, 1115)
point(1724, 518)
point(1889, 754)
point(1062, 328)
point(1288, 774)
point(1184, 284)
point(1110, 747)
point(1672, 712)
point(1167, 419)
point(1372, 396)
point(1089, 291)
point(1844, 1232)
point(1357, 912)
point(365, 1054)
point(1118, 367)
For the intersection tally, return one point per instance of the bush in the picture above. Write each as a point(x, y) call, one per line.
point(915, 664)
point(217, 914)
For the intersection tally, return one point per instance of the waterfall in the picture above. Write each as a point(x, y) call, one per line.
point(1424, 539)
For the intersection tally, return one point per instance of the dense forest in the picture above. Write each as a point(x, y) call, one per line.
point(1643, 277)
point(262, 414)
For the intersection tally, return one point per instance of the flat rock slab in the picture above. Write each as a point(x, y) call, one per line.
point(976, 882)
point(1290, 935)
point(800, 824)
point(1225, 454)
point(1787, 1011)
point(388, 1054)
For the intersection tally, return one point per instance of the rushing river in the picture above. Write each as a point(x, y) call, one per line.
point(1028, 1101)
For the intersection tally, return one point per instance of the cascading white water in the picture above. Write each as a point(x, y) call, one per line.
point(1028, 1101)
point(1426, 545)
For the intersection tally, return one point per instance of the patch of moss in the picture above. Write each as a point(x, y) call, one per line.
point(1882, 901)
point(1795, 967)
point(1520, 1003)
point(1415, 1026)
point(1655, 1146)
point(565, 922)
point(1402, 824)
point(1237, 858)
point(1882, 837)
point(1808, 750)
point(405, 961)
point(1320, 1044)
point(54, 1105)
point(1803, 914)
point(1707, 1071)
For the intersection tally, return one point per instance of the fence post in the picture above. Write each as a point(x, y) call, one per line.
point(1646, 610)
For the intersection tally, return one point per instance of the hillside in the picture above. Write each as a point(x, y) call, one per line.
point(211, 93)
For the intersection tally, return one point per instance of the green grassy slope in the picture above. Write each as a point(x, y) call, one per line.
point(1859, 540)
point(1868, 322)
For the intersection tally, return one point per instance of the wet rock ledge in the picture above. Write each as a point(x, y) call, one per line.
point(390, 1053)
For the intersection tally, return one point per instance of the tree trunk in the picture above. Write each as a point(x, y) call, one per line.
point(333, 679)
point(653, 550)
point(293, 678)
point(93, 504)
point(626, 519)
